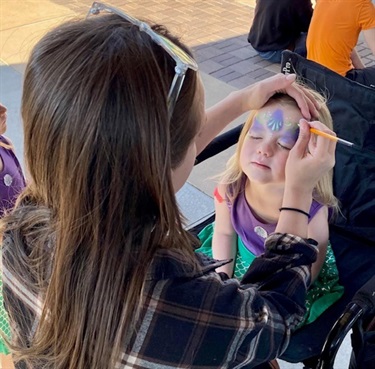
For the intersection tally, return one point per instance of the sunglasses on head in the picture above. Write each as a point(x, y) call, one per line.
point(183, 60)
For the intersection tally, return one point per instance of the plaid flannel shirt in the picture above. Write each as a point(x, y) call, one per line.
point(203, 319)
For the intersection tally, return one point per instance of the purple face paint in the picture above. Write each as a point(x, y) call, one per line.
point(275, 123)
point(289, 137)
point(257, 126)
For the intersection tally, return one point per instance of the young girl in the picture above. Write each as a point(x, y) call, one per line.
point(12, 183)
point(98, 269)
point(249, 198)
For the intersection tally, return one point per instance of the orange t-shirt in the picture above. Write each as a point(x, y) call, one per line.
point(334, 31)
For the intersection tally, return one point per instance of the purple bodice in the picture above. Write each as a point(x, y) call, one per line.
point(252, 231)
point(12, 181)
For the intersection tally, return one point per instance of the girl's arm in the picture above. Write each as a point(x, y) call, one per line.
point(249, 98)
point(318, 230)
point(224, 242)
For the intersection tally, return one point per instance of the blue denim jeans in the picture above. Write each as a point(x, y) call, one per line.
point(275, 56)
point(271, 56)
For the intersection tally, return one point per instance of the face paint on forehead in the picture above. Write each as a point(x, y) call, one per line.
point(274, 121)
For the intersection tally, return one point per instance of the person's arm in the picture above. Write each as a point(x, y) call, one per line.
point(249, 98)
point(370, 38)
point(319, 231)
point(224, 241)
point(356, 60)
point(299, 181)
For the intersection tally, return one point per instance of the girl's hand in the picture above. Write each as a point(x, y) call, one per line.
point(311, 157)
point(256, 95)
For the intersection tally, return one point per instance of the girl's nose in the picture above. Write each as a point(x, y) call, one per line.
point(265, 149)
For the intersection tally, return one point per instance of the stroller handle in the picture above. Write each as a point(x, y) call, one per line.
point(363, 303)
point(365, 297)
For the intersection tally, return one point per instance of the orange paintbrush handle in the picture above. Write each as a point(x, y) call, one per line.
point(330, 137)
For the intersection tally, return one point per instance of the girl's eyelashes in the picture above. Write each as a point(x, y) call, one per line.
point(284, 147)
point(255, 137)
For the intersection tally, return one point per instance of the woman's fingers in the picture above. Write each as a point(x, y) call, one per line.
point(301, 145)
point(323, 144)
point(311, 157)
point(255, 96)
point(305, 101)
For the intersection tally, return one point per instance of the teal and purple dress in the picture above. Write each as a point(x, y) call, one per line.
point(252, 233)
point(12, 182)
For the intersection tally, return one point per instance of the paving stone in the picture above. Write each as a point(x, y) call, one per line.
point(263, 63)
point(222, 57)
point(246, 66)
point(231, 76)
point(209, 66)
point(223, 72)
point(208, 53)
point(256, 73)
point(242, 82)
point(225, 43)
point(264, 76)
point(244, 53)
point(256, 59)
point(232, 60)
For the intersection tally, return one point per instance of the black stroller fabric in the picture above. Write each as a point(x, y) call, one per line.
point(352, 233)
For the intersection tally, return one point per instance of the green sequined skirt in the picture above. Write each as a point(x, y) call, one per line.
point(323, 293)
point(4, 325)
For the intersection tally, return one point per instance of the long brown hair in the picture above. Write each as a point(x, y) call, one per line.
point(100, 149)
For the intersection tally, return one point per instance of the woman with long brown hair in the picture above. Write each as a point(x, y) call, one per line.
point(98, 270)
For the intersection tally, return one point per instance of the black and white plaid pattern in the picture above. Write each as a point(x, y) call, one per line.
point(201, 319)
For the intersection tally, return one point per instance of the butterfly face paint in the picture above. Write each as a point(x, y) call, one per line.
point(264, 153)
point(276, 123)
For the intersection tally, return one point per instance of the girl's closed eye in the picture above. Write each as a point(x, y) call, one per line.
point(284, 146)
point(254, 135)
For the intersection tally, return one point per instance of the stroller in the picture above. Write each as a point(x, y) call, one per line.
point(352, 233)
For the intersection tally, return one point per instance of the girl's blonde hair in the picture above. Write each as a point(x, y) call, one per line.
point(233, 175)
point(6, 146)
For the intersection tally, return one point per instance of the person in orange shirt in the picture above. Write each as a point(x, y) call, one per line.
point(333, 35)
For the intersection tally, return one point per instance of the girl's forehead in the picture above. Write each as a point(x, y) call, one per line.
point(277, 117)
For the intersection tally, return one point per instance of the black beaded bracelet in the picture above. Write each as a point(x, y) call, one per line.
point(297, 210)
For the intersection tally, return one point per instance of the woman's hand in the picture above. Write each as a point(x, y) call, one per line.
point(256, 95)
point(311, 157)
point(308, 161)
point(250, 98)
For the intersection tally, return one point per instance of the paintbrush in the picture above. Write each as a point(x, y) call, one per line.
point(333, 138)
